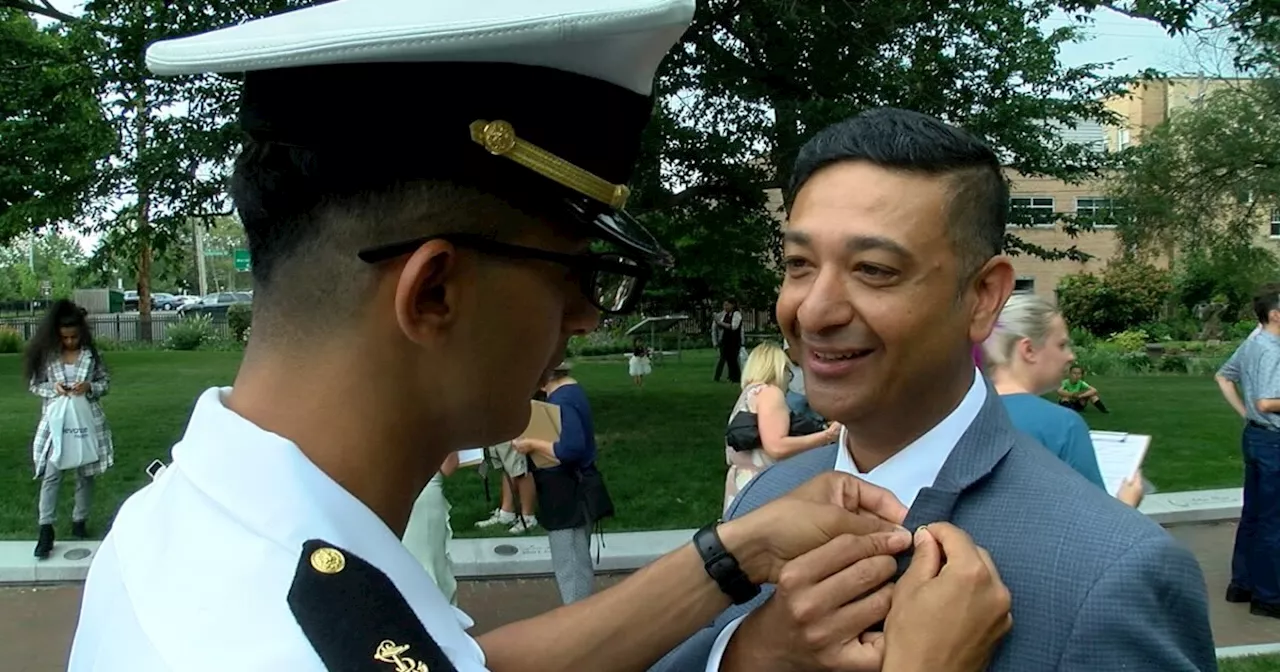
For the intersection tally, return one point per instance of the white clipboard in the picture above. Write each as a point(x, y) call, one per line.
point(1119, 455)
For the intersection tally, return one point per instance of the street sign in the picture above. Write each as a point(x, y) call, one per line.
point(242, 260)
point(215, 253)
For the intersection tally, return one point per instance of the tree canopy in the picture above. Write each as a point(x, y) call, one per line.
point(749, 82)
point(53, 135)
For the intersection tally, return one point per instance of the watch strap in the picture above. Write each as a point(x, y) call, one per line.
point(722, 567)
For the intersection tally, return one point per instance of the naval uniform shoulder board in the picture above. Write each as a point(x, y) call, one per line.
point(355, 617)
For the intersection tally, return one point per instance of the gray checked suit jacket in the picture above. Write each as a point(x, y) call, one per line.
point(1096, 585)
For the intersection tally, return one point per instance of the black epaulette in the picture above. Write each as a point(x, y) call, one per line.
point(355, 618)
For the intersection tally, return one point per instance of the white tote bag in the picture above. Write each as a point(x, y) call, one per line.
point(75, 443)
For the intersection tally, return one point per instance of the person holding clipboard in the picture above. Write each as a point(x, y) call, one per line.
point(1025, 356)
point(572, 498)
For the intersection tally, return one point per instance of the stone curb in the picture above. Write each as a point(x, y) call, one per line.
point(1249, 650)
point(531, 556)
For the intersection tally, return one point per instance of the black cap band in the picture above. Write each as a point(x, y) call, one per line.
point(417, 117)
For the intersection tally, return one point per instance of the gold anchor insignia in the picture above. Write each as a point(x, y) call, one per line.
point(328, 560)
point(499, 138)
point(389, 652)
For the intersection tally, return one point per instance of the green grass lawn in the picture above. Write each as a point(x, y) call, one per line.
point(661, 446)
point(1250, 664)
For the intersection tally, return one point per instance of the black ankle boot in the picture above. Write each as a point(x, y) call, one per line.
point(45, 544)
point(78, 529)
point(1101, 406)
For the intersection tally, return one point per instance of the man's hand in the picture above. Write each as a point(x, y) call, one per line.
point(949, 608)
point(820, 607)
point(828, 506)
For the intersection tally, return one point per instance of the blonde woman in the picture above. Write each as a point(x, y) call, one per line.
point(1025, 357)
point(764, 387)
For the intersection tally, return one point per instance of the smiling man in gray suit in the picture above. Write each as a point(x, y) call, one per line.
point(893, 271)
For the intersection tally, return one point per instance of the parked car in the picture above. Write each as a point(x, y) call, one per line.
point(130, 300)
point(166, 301)
point(215, 304)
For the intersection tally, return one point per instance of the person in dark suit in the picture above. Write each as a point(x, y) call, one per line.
point(893, 271)
point(727, 334)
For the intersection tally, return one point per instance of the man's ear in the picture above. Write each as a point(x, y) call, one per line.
point(992, 286)
point(427, 293)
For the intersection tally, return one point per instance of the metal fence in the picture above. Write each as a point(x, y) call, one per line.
point(121, 327)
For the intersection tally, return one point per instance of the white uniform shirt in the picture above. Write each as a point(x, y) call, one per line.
point(195, 572)
point(911, 470)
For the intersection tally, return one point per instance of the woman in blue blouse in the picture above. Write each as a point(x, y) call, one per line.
point(571, 495)
point(1025, 357)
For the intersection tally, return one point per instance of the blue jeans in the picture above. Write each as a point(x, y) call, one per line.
point(1255, 563)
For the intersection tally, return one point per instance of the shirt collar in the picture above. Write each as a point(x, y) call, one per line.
point(266, 483)
point(917, 466)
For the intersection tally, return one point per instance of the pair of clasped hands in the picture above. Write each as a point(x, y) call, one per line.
point(828, 547)
point(79, 389)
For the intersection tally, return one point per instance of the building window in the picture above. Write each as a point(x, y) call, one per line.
point(1122, 138)
point(1102, 213)
point(1037, 211)
point(1024, 285)
point(1275, 223)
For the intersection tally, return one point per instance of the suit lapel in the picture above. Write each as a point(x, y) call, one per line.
point(980, 449)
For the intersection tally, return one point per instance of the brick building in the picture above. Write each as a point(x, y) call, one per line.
point(1145, 108)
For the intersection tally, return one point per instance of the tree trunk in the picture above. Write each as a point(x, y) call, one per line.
point(144, 217)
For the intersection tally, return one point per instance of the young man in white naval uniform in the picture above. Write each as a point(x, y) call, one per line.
point(420, 186)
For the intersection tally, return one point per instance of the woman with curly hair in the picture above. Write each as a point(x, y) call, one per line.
point(61, 360)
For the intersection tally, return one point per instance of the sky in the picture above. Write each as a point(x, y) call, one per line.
point(1131, 44)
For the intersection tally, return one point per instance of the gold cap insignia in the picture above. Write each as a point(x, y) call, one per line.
point(328, 560)
point(390, 652)
point(499, 138)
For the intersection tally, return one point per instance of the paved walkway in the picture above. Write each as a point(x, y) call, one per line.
point(37, 623)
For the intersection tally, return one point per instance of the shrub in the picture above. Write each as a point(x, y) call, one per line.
point(1135, 362)
point(1082, 338)
point(10, 341)
point(1100, 362)
point(1237, 331)
point(239, 316)
point(189, 333)
point(1125, 295)
point(1132, 340)
point(1173, 364)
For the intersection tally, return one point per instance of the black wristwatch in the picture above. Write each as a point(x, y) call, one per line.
point(722, 567)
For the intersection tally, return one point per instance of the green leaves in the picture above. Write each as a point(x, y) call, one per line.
point(752, 81)
point(1210, 176)
point(52, 132)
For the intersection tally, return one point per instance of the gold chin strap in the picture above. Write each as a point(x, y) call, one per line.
point(500, 139)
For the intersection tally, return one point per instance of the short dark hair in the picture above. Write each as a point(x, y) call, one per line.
point(1265, 300)
point(307, 213)
point(1073, 367)
point(915, 142)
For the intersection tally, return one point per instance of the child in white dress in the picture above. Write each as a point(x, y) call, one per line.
point(638, 363)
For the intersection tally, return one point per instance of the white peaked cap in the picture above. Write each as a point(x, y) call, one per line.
point(618, 41)
point(520, 97)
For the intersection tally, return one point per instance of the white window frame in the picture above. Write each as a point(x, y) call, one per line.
point(1122, 138)
point(1051, 206)
point(1094, 199)
point(1275, 224)
point(1031, 279)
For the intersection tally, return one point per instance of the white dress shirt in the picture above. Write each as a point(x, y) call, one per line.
point(196, 570)
point(911, 470)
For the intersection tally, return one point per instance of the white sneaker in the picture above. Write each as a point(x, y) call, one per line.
point(499, 517)
point(524, 524)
